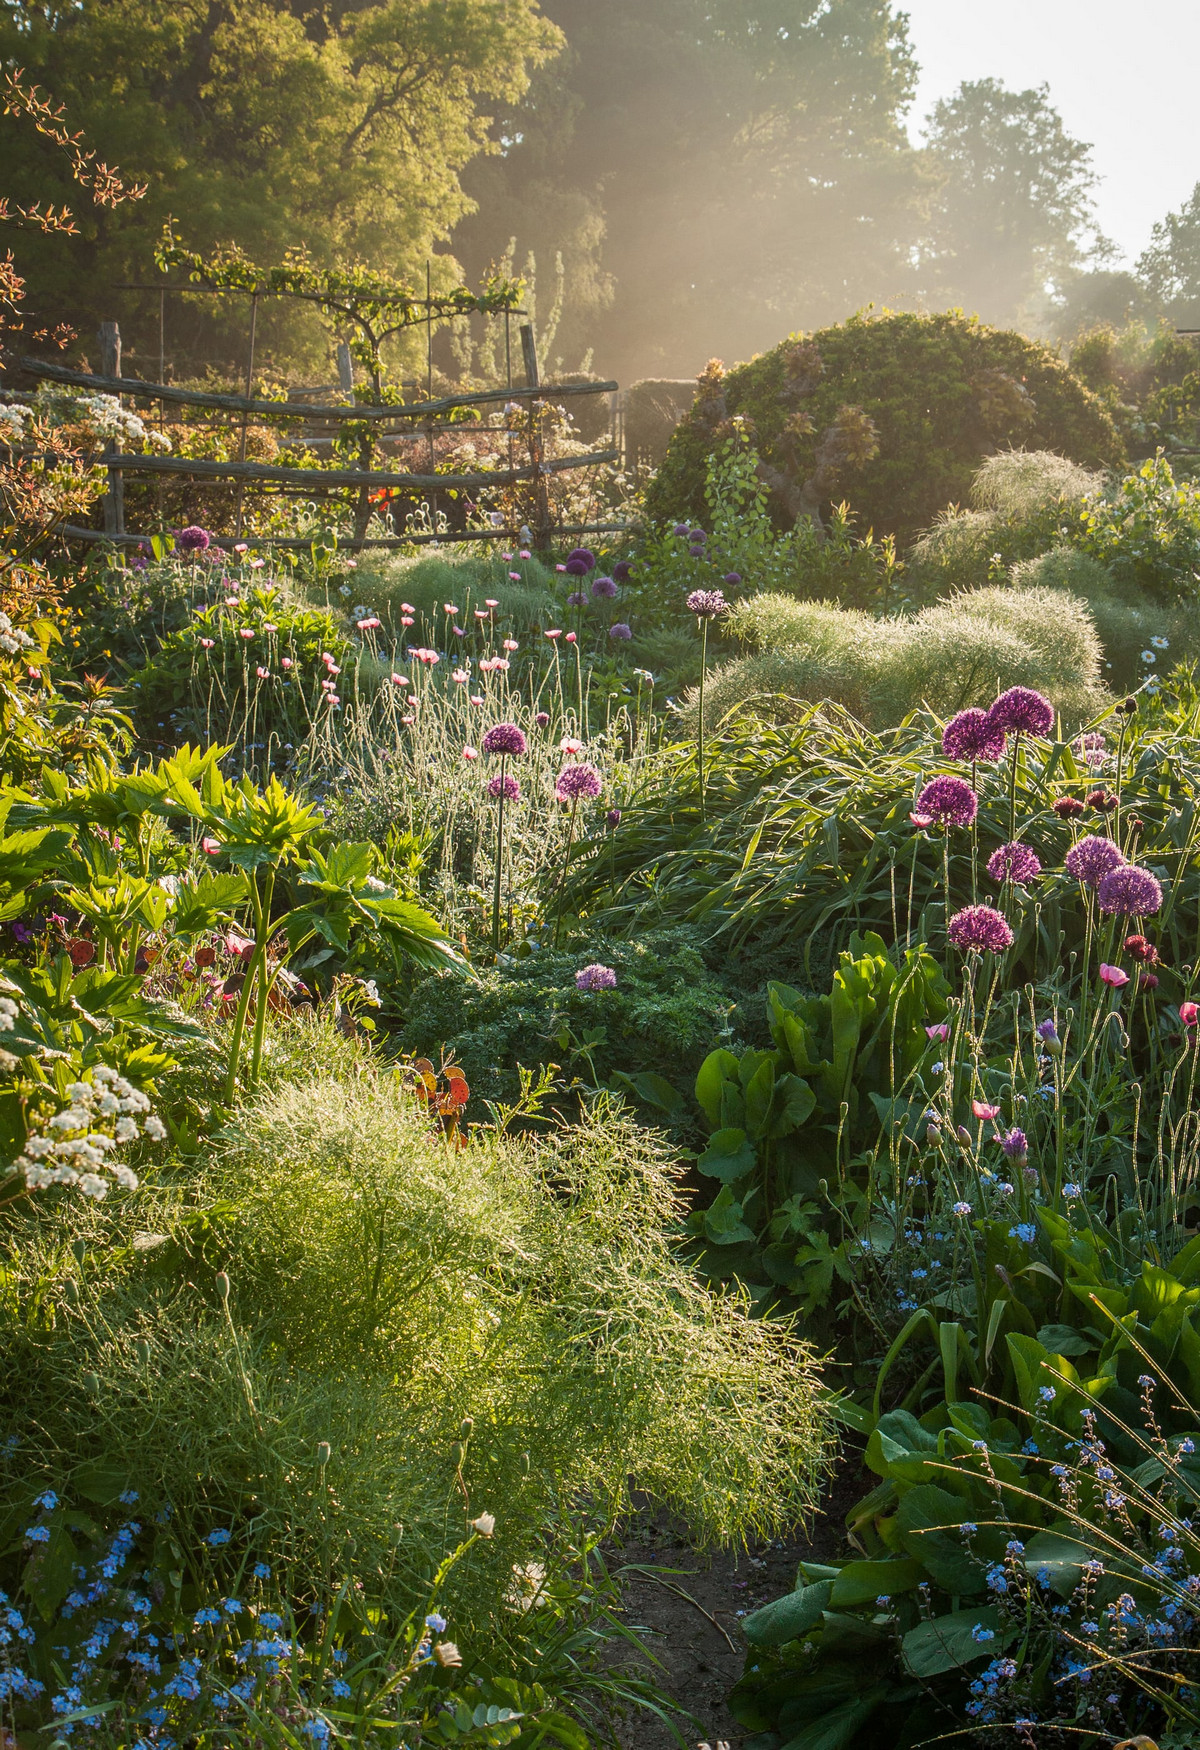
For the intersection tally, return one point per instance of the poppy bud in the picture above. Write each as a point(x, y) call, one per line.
point(324, 1452)
point(71, 1291)
point(223, 1287)
point(466, 1428)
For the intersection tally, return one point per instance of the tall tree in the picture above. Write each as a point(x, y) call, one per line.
point(1013, 217)
point(1170, 265)
point(342, 125)
point(738, 167)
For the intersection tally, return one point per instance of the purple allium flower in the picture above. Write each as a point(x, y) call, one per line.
point(731, 579)
point(1015, 1145)
point(1128, 891)
point(1014, 862)
point(576, 568)
point(542, 719)
point(139, 563)
point(680, 529)
point(584, 556)
point(613, 818)
point(979, 926)
point(1091, 858)
point(620, 631)
point(1047, 1030)
point(707, 604)
point(506, 786)
point(595, 977)
point(622, 570)
point(972, 735)
point(696, 553)
point(950, 800)
point(577, 599)
point(578, 783)
point(504, 738)
point(698, 536)
point(1022, 708)
point(603, 588)
point(193, 539)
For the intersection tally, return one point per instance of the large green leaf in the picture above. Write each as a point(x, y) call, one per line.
point(730, 1155)
point(718, 1068)
point(863, 1582)
point(723, 1222)
point(947, 1643)
point(787, 1618)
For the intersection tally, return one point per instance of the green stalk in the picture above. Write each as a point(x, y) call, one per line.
point(700, 731)
point(499, 861)
point(239, 1020)
point(262, 975)
point(562, 880)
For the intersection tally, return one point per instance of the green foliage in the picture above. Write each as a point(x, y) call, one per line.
point(1147, 532)
point(980, 389)
point(384, 583)
point(206, 676)
point(786, 1124)
point(666, 1010)
point(263, 131)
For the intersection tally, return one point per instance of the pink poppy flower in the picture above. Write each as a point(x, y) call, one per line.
point(524, 553)
point(241, 547)
point(939, 1030)
point(407, 620)
point(1189, 1013)
point(246, 632)
point(460, 677)
point(470, 753)
point(476, 699)
point(399, 680)
point(981, 1109)
point(264, 674)
point(921, 819)
point(1114, 975)
point(206, 643)
point(210, 847)
point(491, 601)
point(511, 644)
point(285, 662)
point(570, 638)
point(407, 608)
point(553, 633)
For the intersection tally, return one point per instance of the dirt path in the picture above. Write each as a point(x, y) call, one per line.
point(696, 1638)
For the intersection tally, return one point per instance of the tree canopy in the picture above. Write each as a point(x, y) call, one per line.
point(340, 126)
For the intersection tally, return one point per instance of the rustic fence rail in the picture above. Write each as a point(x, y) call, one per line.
point(403, 421)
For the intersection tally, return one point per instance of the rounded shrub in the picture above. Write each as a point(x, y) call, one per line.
point(891, 412)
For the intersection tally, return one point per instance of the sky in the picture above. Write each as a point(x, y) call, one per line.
point(1122, 76)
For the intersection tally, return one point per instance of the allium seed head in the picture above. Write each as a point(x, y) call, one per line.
point(972, 735)
point(1022, 708)
point(979, 927)
point(707, 604)
point(1129, 892)
point(504, 738)
point(578, 783)
point(1014, 862)
point(506, 787)
point(949, 800)
point(1091, 859)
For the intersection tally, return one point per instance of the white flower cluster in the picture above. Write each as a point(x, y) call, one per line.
point(102, 416)
point(12, 639)
point(73, 1147)
point(14, 418)
point(8, 1014)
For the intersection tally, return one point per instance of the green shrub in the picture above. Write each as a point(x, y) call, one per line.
point(665, 1013)
point(386, 1284)
point(1147, 532)
point(940, 392)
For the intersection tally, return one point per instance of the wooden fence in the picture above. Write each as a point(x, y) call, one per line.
point(408, 420)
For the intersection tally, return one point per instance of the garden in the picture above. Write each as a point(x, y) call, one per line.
point(508, 1039)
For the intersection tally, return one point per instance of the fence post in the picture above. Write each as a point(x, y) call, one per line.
point(114, 498)
point(541, 496)
point(345, 366)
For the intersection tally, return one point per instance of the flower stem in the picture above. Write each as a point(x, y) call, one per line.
point(499, 861)
point(700, 730)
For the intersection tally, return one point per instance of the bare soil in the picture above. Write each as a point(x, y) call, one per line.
point(692, 1605)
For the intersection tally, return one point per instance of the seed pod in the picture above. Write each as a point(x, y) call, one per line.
point(457, 1453)
point(223, 1286)
point(324, 1453)
point(466, 1428)
point(79, 1247)
point(523, 1464)
point(71, 1291)
point(143, 1351)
